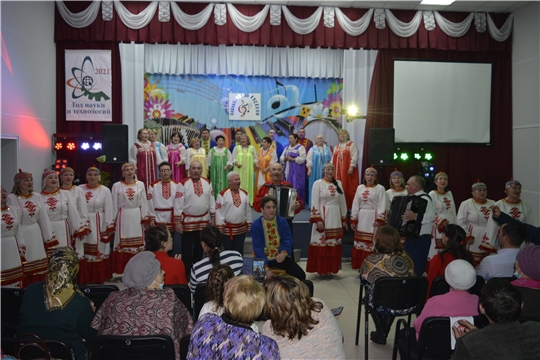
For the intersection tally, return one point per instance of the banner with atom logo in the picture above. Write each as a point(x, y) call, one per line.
point(88, 85)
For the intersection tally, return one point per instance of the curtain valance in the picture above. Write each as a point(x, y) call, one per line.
point(274, 25)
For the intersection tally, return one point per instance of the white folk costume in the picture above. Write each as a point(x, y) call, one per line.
point(38, 234)
point(97, 249)
point(130, 206)
point(445, 209)
point(197, 155)
point(80, 202)
point(520, 210)
point(473, 217)
point(65, 220)
point(146, 158)
point(369, 205)
point(391, 194)
point(13, 248)
point(161, 203)
point(233, 213)
point(330, 207)
point(195, 204)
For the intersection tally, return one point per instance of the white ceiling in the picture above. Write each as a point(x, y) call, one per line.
point(459, 5)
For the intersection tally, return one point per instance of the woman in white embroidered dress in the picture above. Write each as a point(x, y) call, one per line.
point(131, 213)
point(97, 247)
point(329, 217)
point(67, 175)
point(13, 246)
point(473, 216)
point(62, 212)
point(368, 212)
point(36, 226)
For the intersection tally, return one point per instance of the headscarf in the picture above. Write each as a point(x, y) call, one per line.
point(94, 169)
point(61, 280)
point(478, 185)
point(396, 173)
point(372, 170)
point(511, 183)
point(46, 173)
point(67, 169)
point(21, 175)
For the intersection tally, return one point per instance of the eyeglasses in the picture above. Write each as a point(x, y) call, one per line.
point(164, 170)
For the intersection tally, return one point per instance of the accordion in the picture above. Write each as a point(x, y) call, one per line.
point(286, 197)
point(399, 205)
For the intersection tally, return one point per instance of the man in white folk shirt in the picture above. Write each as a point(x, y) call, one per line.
point(194, 208)
point(233, 214)
point(161, 195)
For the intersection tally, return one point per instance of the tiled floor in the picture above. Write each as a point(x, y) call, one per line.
point(342, 290)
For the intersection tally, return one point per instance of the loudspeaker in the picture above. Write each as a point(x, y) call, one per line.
point(381, 147)
point(114, 139)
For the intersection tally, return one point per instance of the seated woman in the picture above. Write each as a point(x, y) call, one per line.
point(214, 255)
point(272, 239)
point(158, 240)
point(388, 251)
point(215, 286)
point(528, 281)
point(158, 311)
point(303, 327)
point(455, 242)
point(230, 335)
point(56, 308)
point(460, 275)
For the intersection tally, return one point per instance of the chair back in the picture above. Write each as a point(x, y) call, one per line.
point(98, 293)
point(113, 347)
point(439, 286)
point(184, 346)
point(11, 304)
point(199, 298)
point(183, 294)
point(309, 284)
point(58, 349)
point(400, 293)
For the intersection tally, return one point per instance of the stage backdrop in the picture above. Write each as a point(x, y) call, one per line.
point(217, 102)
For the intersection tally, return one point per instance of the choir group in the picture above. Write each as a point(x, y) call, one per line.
point(186, 189)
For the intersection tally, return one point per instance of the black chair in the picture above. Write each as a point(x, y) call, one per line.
point(183, 294)
point(434, 340)
point(58, 349)
point(111, 347)
point(440, 286)
point(309, 284)
point(199, 298)
point(184, 346)
point(11, 303)
point(98, 293)
point(396, 293)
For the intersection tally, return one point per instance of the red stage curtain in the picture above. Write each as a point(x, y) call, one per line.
point(464, 164)
point(268, 35)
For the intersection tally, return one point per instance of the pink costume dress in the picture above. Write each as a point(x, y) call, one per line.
point(130, 206)
point(13, 248)
point(177, 152)
point(97, 249)
point(146, 158)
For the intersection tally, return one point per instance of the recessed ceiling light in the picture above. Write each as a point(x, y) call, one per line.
point(436, 2)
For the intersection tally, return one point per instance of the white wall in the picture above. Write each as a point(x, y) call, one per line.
point(28, 85)
point(526, 104)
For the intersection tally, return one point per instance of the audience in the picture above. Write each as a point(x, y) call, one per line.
point(511, 236)
point(390, 260)
point(532, 232)
point(528, 281)
point(303, 327)
point(158, 240)
point(230, 335)
point(213, 255)
point(144, 308)
point(56, 308)
point(460, 275)
point(215, 285)
point(454, 240)
point(504, 337)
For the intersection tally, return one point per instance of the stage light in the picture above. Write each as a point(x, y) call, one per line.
point(352, 110)
point(71, 146)
point(60, 164)
point(97, 146)
point(58, 146)
point(417, 156)
point(404, 156)
point(431, 168)
point(395, 156)
point(428, 156)
point(85, 146)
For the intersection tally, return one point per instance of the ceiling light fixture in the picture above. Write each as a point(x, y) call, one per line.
point(437, 2)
